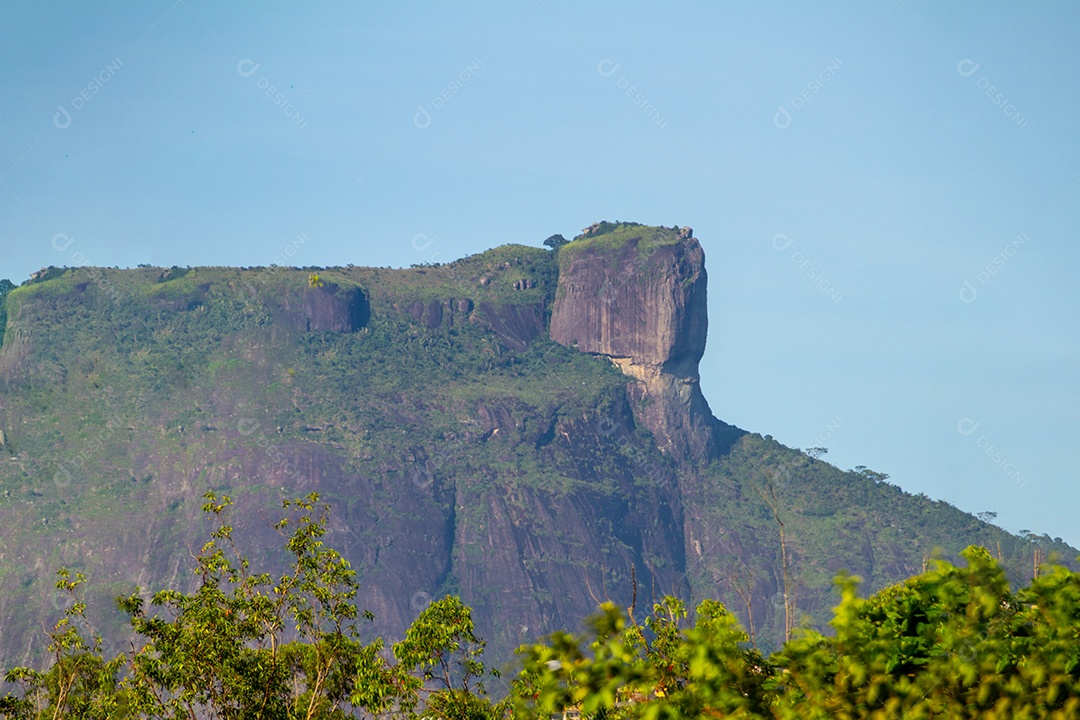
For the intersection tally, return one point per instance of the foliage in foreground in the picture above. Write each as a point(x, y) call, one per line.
point(952, 642)
point(247, 645)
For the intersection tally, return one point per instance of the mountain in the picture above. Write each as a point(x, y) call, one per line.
point(522, 427)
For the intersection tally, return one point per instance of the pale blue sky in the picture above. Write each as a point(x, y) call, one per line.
point(890, 150)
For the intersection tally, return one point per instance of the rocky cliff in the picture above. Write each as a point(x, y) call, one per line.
point(637, 296)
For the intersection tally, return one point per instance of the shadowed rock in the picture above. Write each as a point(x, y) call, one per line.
point(328, 307)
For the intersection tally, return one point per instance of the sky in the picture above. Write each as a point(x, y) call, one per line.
point(886, 191)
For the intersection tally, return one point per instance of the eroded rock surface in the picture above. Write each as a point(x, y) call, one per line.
point(642, 303)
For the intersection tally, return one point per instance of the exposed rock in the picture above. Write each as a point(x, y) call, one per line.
point(328, 307)
point(331, 308)
point(646, 310)
point(516, 325)
point(430, 314)
point(433, 314)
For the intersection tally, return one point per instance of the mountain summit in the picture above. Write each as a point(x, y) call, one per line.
point(521, 427)
point(637, 295)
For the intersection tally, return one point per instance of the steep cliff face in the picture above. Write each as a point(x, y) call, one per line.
point(637, 295)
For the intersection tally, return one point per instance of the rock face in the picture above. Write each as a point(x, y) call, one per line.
point(643, 305)
point(329, 307)
point(516, 324)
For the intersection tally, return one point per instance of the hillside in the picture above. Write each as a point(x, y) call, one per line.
point(519, 427)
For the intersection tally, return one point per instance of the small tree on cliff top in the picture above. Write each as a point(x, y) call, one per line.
point(555, 242)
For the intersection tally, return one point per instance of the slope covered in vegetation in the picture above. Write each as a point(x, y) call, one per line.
point(463, 451)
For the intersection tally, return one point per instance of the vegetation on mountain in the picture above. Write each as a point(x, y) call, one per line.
point(954, 642)
point(612, 238)
point(555, 242)
point(246, 644)
point(464, 451)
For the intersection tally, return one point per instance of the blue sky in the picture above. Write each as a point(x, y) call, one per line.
point(887, 192)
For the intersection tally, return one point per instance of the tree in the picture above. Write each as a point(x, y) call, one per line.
point(951, 642)
point(987, 516)
point(789, 588)
point(80, 683)
point(440, 667)
point(555, 242)
point(662, 668)
point(244, 642)
point(248, 645)
point(865, 472)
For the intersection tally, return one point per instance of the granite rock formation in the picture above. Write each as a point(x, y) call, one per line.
point(328, 307)
point(641, 302)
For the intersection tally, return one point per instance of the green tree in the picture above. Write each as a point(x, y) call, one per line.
point(555, 242)
point(80, 683)
point(439, 672)
point(661, 668)
point(248, 645)
point(952, 642)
